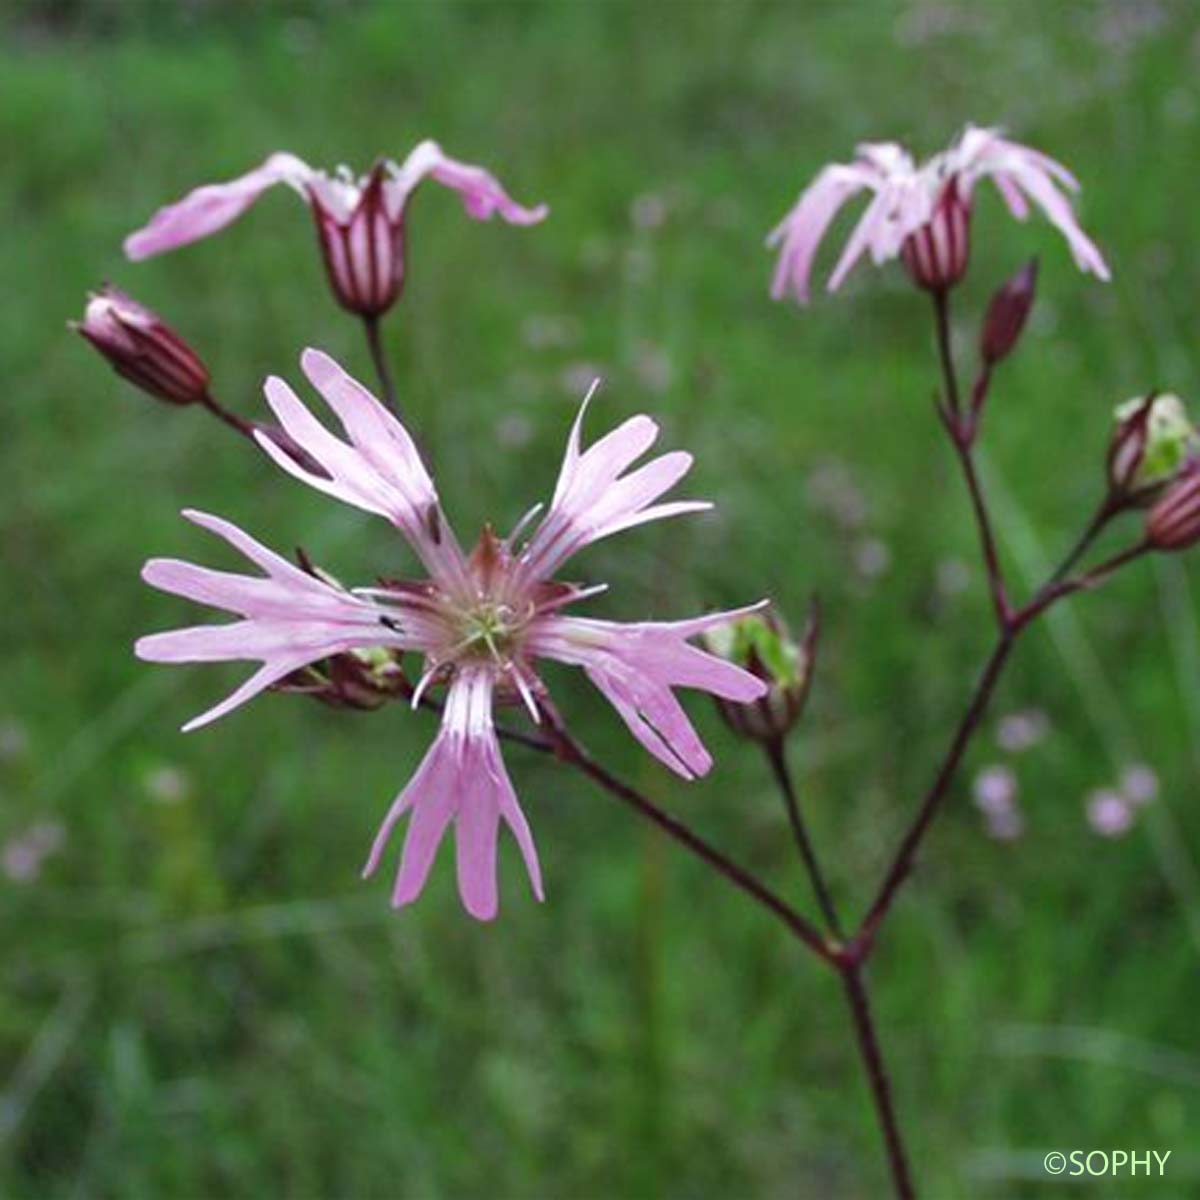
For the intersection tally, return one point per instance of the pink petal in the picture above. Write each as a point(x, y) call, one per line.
point(379, 470)
point(461, 779)
point(593, 499)
point(481, 192)
point(1057, 208)
point(290, 618)
point(433, 803)
point(210, 208)
point(802, 230)
point(637, 666)
point(654, 717)
point(1015, 169)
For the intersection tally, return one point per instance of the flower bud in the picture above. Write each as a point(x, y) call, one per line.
point(358, 679)
point(762, 645)
point(142, 348)
point(936, 254)
point(1152, 441)
point(1174, 521)
point(1007, 314)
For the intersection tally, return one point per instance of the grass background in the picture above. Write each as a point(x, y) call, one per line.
point(199, 997)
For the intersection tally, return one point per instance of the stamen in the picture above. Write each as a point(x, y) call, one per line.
point(523, 523)
point(424, 683)
point(527, 696)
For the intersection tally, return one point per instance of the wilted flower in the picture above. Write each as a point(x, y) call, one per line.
point(761, 643)
point(1174, 521)
point(481, 620)
point(143, 348)
point(922, 214)
point(1152, 441)
point(360, 221)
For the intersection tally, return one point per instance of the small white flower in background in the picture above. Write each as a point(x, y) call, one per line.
point(995, 790)
point(514, 430)
point(167, 785)
point(23, 855)
point(1005, 826)
point(1108, 813)
point(832, 490)
point(577, 377)
point(648, 211)
point(995, 794)
point(953, 577)
point(14, 740)
point(1018, 731)
point(544, 332)
point(653, 367)
point(1139, 784)
point(872, 558)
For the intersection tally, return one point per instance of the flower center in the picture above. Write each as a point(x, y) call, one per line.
point(490, 630)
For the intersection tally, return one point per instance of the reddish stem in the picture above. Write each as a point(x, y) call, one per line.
point(877, 1075)
point(570, 751)
point(379, 358)
point(962, 428)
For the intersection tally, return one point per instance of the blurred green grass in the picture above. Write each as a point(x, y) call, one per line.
point(201, 998)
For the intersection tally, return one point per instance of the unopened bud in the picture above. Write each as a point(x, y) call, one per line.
point(1174, 521)
point(936, 254)
point(1151, 443)
point(141, 347)
point(1007, 314)
point(762, 645)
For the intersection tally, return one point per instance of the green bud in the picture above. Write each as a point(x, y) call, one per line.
point(762, 645)
point(1153, 439)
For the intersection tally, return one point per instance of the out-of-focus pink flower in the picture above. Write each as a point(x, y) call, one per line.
point(1108, 813)
point(22, 856)
point(1005, 826)
point(1018, 731)
point(922, 213)
point(360, 221)
point(995, 795)
point(143, 348)
point(481, 620)
point(995, 790)
point(1139, 784)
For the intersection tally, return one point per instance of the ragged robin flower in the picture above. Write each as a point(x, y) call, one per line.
point(922, 214)
point(360, 222)
point(481, 620)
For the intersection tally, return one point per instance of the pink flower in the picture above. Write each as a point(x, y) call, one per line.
point(481, 621)
point(1108, 813)
point(922, 214)
point(360, 222)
